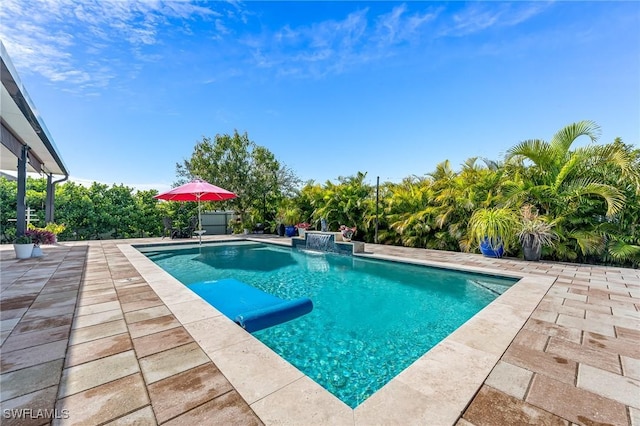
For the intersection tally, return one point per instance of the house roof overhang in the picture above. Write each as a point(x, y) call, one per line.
point(19, 115)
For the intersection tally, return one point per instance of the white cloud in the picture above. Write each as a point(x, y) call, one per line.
point(333, 46)
point(479, 16)
point(315, 49)
point(397, 27)
point(75, 41)
point(84, 44)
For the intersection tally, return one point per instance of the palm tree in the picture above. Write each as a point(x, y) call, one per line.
point(409, 212)
point(346, 202)
point(458, 195)
point(571, 186)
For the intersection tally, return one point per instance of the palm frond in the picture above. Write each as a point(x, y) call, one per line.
point(565, 137)
point(589, 242)
point(624, 252)
point(565, 170)
point(535, 150)
point(585, 187)
point(628, 162)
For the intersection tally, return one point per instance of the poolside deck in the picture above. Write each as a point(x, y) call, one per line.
point(95, 333)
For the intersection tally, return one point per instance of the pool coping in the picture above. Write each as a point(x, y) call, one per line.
point(436, 388)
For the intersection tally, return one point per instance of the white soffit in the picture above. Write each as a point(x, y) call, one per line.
point(14, 119)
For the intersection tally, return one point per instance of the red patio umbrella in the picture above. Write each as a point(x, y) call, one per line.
point(197, 190)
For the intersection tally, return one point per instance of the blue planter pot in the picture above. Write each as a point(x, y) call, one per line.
point(486, 250)
point(290, 231)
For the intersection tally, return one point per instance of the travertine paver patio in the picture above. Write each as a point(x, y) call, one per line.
point(85, 334)
point(577, 358)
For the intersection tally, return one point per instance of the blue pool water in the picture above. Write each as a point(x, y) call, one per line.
point(371, 319)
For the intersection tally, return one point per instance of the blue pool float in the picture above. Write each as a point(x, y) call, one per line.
point(249, 307)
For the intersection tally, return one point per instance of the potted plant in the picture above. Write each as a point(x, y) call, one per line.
point(280, 222)
point(291, 215)
point(40, 236)
point(347, 233)
point(493, 229)
point(302, 228)
point(23, 246)
point(534, 233)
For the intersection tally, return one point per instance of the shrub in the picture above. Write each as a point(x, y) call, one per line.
point(41, 236)
point(23, 239)
point(55, 228)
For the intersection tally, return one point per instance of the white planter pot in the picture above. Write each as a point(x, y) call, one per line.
point(23, 251)
point(301, 232)
point(346, 235)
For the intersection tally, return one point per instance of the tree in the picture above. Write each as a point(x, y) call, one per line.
point(410, 212)
point(122, 210)
point(8, 205)
point(457, 195)
point(309, 198)
point(239, 165)
point(345, 203)
point(148, 218)
point(75, 209)
point(574, 187)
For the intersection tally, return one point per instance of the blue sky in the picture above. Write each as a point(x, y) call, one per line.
point(127, 88)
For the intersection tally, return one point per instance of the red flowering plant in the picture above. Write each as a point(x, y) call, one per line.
point(303, 225)
point(41, 236)
point(347, 232)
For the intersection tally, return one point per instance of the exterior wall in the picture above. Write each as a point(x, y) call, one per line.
point(217, 223)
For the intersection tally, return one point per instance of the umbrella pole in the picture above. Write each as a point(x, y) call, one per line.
point(199, 223)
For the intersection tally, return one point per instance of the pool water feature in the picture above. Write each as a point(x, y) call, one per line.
point(317, 241)
point(371, 319)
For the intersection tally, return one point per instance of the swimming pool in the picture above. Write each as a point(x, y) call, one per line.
point(371, 319)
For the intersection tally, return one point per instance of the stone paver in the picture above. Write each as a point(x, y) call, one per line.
point(102, 403)
point(97, 318)
point(95, 373)
point(60, 321)
point(584, 355)
point(556, 366)
point(98, 331)
point(30, 379)
point(132, 358)
point(153, 325)
point(158, 342)
point(228, 409)
point(609, 385)
point(510, 379)
point(617, 346)
point(42, 398)
point(147, 314)
point(28, 357)
point(182, 392)
point(173, 361)
point(630, 367)
point(17, 341)
point(574, 404)
point(492, 407)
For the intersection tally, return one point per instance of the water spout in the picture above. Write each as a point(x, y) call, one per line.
point(318, 241)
